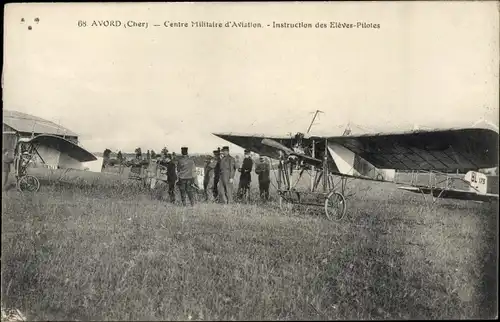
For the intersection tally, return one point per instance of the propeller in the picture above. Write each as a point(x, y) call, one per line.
point(274, 144)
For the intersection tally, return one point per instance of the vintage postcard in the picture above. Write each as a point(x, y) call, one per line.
point(250, 160)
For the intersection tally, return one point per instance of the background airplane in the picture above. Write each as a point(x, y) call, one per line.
point(52, 151)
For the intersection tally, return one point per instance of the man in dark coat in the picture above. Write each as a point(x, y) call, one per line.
point(171, 177)
point(227, 172)
point(262, 169)
point(187, 174)
point(245, 176)
point(216, 174)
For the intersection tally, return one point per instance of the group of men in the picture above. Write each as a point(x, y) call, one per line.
point(219, 173)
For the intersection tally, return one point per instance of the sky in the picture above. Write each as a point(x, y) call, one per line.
point(429, 64)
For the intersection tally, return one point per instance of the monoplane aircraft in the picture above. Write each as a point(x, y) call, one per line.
point(373, 157)
point(53, 151)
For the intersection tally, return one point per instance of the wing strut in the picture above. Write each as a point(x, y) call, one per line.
point(35, 147)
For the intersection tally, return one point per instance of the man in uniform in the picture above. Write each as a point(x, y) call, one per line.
point(245, 176)
point(227, 172)
point(216, 174)
point(171, 176)
point(262, 170)
point(7, 160)
point(187, 175)
point(208, 179)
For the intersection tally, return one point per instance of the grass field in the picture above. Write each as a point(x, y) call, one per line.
point(94, 247)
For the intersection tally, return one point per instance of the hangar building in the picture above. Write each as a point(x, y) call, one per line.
point(27, 126)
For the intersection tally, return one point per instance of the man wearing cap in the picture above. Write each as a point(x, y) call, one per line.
point(208, 178)
point(245, 176)
point(262, 170)
point(171, 173)
point(187, 174)
point(227, 172)
point(216, 174)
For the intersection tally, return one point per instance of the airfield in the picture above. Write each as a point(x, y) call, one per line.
point(96, 246)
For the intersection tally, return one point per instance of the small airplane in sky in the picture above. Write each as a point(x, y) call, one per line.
point(377, 157)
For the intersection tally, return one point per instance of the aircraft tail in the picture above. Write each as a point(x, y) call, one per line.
point(482, 183)
point(477, 180)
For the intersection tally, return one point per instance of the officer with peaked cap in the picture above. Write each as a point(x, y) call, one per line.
point(262, 169)
point(216, 173)
point(171, 172)
point(187, 174)
point(227, 172)
point(245, 176)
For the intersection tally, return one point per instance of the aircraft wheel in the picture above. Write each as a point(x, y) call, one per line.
point(335, 206)
point(28, 183)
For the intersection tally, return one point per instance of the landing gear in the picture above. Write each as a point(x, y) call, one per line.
point(335, 206)
point(28, 183)
point(333, 195)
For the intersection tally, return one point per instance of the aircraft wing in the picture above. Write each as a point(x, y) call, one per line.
point(466, 149)
point(438, 150)
point(63, 146)
point(253, 142)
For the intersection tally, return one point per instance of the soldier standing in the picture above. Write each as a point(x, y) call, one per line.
point(227, 172)
point(216, 174)
point(208, 179)
point(7, 161)
point(171, 176)
point(245, 176)
point(262, 170)
point(187, 175)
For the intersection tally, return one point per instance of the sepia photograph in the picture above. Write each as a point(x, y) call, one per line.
point(250, 161)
